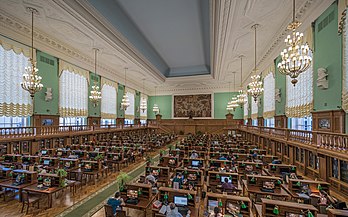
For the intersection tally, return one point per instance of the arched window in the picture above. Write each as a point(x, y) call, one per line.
point(15, 102)
point(73, 94)
point(108, 102)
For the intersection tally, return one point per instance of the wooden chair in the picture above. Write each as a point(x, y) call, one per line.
point(29, 200)
point(121, 214)
point(108, 211)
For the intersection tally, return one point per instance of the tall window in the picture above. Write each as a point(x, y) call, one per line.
point(15, 102)
point(300, 123)
point(129, 113)
point(269, 96)
point(72, 121)
point(73, 93)
point(108, 102)
point(299, 100)
point(269, 122)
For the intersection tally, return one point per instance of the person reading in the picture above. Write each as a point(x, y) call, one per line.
point(194, 155)
point(116, 203)
point(227, 185)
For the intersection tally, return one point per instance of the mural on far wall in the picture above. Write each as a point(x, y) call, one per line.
point(192, 106)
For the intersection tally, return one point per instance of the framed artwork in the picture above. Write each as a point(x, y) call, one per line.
point(324, 123)
point(190, 106)
point(47, 122)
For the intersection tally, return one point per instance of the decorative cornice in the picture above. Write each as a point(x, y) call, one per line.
point(17, 30)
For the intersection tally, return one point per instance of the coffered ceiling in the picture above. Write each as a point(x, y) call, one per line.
point(180, 46)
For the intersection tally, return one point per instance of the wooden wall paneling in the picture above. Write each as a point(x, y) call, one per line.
point(329, 121)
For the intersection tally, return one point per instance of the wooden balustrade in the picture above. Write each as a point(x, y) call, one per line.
point(29, 132)
point(325, 140)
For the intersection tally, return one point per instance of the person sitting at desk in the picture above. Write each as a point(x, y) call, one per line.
point(216, 213)
point(194, 155)
point(227, 186)
point(179, 179)
point(191, 186)
point(116, 203)
point(173, 212)
point(222, 158)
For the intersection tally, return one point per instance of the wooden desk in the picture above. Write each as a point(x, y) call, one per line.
point(225, 199)
point(255, 190)
point(295, 186)
point(193, 204)
point(9, 184)
point(164, 174)
point(49, 191)
point(285, 207)
point(198, 173)
point(337, 213)
point(214, 180)
point(144, 200)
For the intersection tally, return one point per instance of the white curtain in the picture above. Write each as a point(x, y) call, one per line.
point(14, 100)
point(269, 96)
point(73, 94)
point(299, 99)
point(108, 102)
point(246, 108)
point(254, 109)
point(129, 113)
point(143, 114)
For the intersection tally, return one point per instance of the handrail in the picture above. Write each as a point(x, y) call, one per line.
point(27, 132)
point(319, 139)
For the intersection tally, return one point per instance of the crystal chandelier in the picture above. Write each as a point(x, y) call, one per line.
point(143, 104)
point(31, 80)
point(95, 95)
point(241, 97)
point(125, 101)
point(295, 58)
point(255, 87)
point(155, 107)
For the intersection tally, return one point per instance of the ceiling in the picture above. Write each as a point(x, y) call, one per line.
point(180, 46)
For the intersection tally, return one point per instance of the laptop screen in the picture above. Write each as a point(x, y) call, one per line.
point(180, 200)
point(223, 179)
point(46, 162)
point(195, 163)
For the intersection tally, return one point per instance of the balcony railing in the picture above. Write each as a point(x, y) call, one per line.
point(27, 132)
point(325, 140)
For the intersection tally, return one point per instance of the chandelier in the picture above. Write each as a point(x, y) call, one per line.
point(143, 103)
point(155, 107)
point(295, 58)
point(255, 87)
point(125, 101)
point(95, 95)
point(241, 97)
point(31, 80)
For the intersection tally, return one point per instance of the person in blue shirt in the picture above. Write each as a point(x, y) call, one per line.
point(222, 158)
point(116, 202)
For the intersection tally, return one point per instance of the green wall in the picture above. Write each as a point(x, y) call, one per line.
point(280, 83)
point(93, 111)
point(260, 108)
point(165, 105)
point(220, 103)
point(120, 92)
point(137, 105)
point(48, 70)
point(328, 54)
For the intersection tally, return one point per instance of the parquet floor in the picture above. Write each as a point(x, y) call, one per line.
point(12, 207)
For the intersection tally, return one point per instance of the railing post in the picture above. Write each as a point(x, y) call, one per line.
point(287, 134)
point(314, 138)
